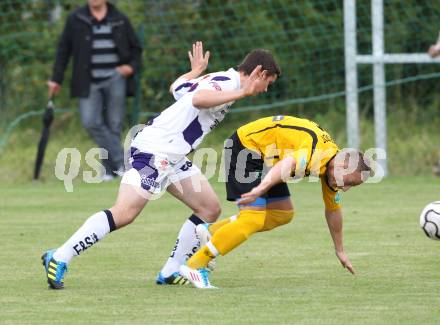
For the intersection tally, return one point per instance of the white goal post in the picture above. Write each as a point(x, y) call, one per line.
point(378, 59)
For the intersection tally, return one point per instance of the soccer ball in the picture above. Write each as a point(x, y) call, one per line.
point(430, 220)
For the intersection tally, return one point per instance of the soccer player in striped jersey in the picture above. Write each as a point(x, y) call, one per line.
point(263, 155)
point(158, 157)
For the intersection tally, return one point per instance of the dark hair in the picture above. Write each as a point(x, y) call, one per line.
point(364, 163)
point(259, 57)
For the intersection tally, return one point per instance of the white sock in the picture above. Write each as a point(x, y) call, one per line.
point(93, 230)
point(187, 244)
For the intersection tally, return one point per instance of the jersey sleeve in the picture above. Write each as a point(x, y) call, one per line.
point(180, 87)
point(183, 86)
point(331, 198)
point(216, 82)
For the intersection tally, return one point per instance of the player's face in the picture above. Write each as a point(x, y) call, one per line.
point(265, 81)
point(346, 181)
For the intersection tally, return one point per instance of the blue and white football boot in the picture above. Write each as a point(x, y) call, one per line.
point(173, 279)
point(54, 270)
point(199, 278)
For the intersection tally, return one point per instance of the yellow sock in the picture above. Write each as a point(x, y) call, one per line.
point(201, 258)
point(234, 233)
point(216, 226)
point(276, 218)
point(227, 235)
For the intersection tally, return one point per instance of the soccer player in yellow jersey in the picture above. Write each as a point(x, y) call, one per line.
point(263, 155)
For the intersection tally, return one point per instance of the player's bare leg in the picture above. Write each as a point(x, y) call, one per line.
point(129, 203)
point(197, 194)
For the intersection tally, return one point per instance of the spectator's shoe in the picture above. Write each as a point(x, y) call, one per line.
point(436, 169)
point(199, 278)
point(203, 234)
point(107, 177)
point(54, 270)
point(120, 172)
point(173, 279)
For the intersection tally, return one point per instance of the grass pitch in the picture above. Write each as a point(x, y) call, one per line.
point(289, 275)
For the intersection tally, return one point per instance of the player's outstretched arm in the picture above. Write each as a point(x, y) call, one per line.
point(252, 86)
point(334, 222)
point(199, 63)
point(434, 50)
point(278, 173)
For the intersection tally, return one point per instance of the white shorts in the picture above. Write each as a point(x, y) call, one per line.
point(155, 172)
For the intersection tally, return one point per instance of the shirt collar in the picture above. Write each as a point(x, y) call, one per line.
point(236, 75)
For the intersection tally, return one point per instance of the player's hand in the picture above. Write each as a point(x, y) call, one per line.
point(125, 70)
point(251, 196)
point(199, 61)
point(345, 262)
point(256, 82)
point(53, 88)
point(434, 50)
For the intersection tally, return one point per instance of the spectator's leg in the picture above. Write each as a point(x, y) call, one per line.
point(115, 94)
point(436, 169)
point(91, 113)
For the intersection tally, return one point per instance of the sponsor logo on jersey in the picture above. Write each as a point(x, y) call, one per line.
point(277, 118)
point(215, 85)
point(163, 164)
point(326, 138)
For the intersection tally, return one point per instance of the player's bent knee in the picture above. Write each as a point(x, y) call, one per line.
point(276, 218)
point(209, 213)
point(124, 217)
point(216, 210)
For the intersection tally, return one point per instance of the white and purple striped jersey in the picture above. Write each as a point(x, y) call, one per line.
point(181, 127)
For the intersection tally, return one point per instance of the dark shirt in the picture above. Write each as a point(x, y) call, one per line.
point(104, 57)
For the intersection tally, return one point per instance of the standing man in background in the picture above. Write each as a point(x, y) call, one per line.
point(106, 55)
point(434, 51)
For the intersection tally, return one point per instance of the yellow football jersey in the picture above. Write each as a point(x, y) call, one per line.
point(281, 136)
